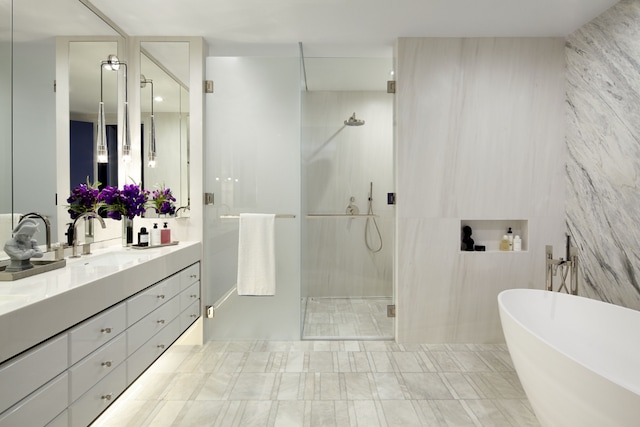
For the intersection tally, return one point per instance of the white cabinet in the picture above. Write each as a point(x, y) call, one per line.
point(151, 324)
point(24, 374)
point(98, 398)
point(40, 407)
point(84, 374)
point(97, 331)
point(152, 298)
point(71, 378)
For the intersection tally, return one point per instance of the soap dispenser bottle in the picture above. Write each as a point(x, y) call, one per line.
point(143, 237)
point(165, 234)
point(517, 244)
point(155, 235)
point(510, 237)
point(504, 243)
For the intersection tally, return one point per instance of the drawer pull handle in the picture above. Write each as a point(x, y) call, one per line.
point(107, 364)
point(194, 315)
point(194, 296)
point(161, 346)
point(193, 276)
point(161, 296)
point(105, 330)
point(107, 396)
point(160, 321)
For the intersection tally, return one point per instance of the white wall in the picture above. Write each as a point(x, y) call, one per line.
point(479, 136)
point(252, 164)
point(339, 162)
point(603, 195)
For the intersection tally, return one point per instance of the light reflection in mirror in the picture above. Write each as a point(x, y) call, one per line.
point(167, 65)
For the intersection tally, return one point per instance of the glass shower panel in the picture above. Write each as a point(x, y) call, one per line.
point(252, 165)
point(347, 171)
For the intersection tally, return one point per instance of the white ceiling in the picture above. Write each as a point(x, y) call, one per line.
point(327, 26)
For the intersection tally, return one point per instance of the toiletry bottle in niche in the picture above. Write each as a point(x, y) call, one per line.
point(517, 244)
point(165, 234)
point(143, 237)
point(155, 235)
point(504, 243)
point(510, 237)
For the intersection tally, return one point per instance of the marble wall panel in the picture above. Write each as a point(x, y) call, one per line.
point(603, 134)
point(480, 130)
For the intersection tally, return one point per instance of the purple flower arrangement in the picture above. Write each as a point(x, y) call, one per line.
point(84, 198)
point(162, 201)
point(129, 202)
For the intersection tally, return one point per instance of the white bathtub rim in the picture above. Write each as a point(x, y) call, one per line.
point(621, 382)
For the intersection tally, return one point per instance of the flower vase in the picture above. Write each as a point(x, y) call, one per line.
point(127, 231)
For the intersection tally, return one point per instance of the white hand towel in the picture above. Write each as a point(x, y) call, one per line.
point(257, 255)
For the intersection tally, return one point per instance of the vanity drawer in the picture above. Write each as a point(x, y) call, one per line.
point(147, 301)
point(189, 295)
point(151, 350)
point(189, 275)
point(93, 333)
point(61, 420)
point(40, 407)
point(151, 324)
point(84, 374)
point(98, 398)
point(23, 375)
point(188, 316)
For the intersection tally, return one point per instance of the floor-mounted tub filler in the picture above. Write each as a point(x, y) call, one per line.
point(578, 359)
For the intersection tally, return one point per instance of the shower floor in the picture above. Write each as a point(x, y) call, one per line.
point(347, 318)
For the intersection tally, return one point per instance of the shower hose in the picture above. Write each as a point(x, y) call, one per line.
point(367, 225)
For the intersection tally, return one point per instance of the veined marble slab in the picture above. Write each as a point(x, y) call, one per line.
point(603, 164)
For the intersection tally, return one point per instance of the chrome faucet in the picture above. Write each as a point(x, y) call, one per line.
point(185, 208)
point(90, 214)
point(47, 225)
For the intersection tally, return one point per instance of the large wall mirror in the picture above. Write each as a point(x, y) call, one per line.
point(29, 116)
point(164, 92)
point(89, 84)
point(5, 116)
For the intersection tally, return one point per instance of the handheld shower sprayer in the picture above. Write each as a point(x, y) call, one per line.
point(371, 217)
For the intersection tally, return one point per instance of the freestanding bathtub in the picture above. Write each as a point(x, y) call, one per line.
point(578, 359)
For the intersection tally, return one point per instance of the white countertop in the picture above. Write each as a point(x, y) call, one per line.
point(38, 307)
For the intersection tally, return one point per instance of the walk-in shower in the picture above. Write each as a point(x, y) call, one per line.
point(346, 270)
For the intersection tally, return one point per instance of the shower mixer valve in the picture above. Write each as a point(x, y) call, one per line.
point(352, 209)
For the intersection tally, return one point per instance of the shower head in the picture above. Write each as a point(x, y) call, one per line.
point(352, 121)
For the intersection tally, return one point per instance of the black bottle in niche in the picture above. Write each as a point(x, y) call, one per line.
point(467, 241)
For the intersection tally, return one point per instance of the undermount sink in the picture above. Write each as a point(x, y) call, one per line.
point(110, 259)
point(38, 267)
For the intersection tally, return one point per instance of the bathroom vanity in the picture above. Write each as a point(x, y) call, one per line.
point(74, 339)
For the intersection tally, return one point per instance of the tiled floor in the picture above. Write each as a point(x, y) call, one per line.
point(347, 318)
point(325, 383)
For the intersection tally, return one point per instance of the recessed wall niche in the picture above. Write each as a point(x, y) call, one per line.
point(489, 232)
